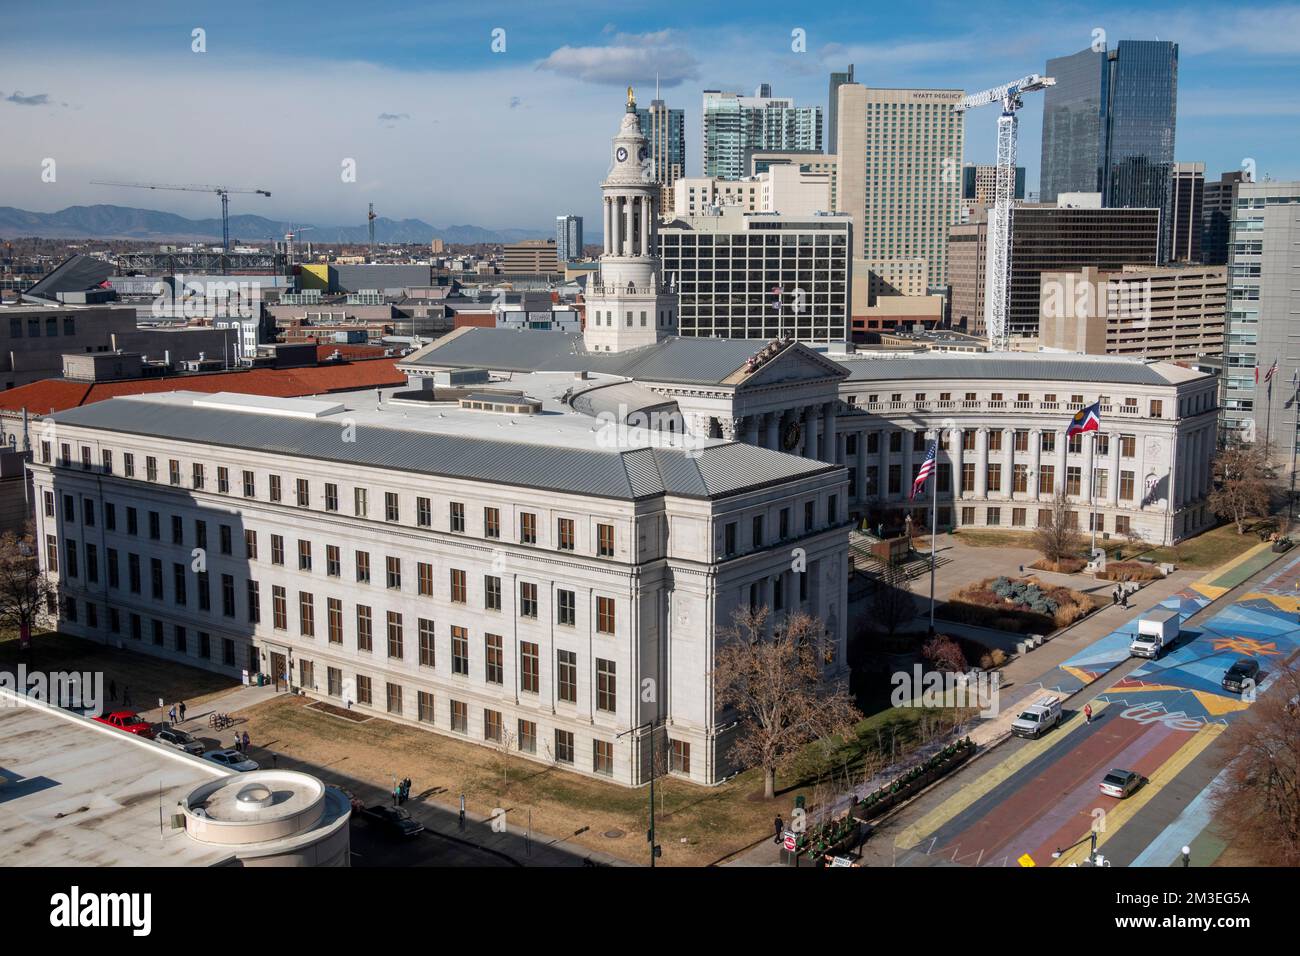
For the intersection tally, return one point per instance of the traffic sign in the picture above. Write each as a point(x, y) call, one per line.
point(1026, 860)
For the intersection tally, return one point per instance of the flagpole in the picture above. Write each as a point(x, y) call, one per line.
point(1092, 494)
point(934, 522)
point(1295, 439)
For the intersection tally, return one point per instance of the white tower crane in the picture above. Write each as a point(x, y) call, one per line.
point(997, 264)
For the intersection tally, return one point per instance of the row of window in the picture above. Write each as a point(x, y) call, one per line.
point(759, 536)
point(565, 528)
point(1022, 480)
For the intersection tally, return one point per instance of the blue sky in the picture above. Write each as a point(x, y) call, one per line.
point(443, 129)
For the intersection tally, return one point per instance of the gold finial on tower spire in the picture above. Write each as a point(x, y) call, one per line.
point(631, 100)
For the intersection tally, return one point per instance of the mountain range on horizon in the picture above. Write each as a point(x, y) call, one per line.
point(129, 222)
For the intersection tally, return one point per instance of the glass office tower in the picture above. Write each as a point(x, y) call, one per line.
point(1074, 125)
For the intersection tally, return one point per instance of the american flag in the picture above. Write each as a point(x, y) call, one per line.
point(1272, 370)
point(926, 470)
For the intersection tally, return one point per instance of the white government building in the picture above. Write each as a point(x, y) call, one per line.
point(539, 542)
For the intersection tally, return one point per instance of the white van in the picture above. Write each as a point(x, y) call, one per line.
point(1039, 717)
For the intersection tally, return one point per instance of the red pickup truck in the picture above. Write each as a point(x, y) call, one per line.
point(129, 721)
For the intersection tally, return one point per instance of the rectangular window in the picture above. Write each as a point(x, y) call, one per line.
point(459, 716)
point(602, 760)
point(391, 511)
point(606, 686)
point(304, 555)
point(364, 695)
point(564, 534)
point(331, 497)
point(224, 538)
point(254, 602)
point(424, 578)
point(423, 512)
point(302, 492)
point(756, 532)
point(459, 650)
point(530, 667)
point(393, 573)
point(564, 746)
point(363, 567)
point(359, 503)
point(1017, 517)
point(494, 659)
point(1073, 480)
point(250, 544)
point(306, 614)
point(492, 725)
point(333, 561)
point(250, 488)
point(1046, 479)
point(527, 527)
point(527, 737)
point(223, 479)
point(1020, 478)
point(566, 676)
point(1127, 446)
point(128, 463)
point(566, 608)
point(197, 474)
point(395, 635)
point(277, 549)
point(605, 540)
point(428, 655)
point(275, 487)
point(993, 475)
point(527, 599)
point(279, 608)
point(605, 615)
point(334, 622)
point(424, 707)
point(365, 629)
point(679, 757)
point(729, 539)
point(491, 592)
point(1126, 486)
point(457, 517)
point(491, 522)
point(228, 595)
point(459, 590)
point(173, 471)
point(334, 681)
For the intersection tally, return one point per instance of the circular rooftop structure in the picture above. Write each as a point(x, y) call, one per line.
point(271, 818)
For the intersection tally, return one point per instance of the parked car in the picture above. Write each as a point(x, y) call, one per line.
point(180, 740)
point(395, 821)
point(1038, 718)
point(1120, 783)
point(129, 721)
point(1236, 676)
point(232, 759)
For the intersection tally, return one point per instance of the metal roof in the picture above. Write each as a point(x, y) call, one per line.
point(607, 472)
point(687, 361)
point(1032, 367)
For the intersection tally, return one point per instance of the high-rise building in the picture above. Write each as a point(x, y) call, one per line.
point(1216, 216)
point(760, 276)
point(978, 184)
point(529, 257)
point(899, 173)
point(1108, 127)
point(809, 161)
point(1046, 239)
point(838, 79)
point(568, 239)
point(1185, 212)
point(665, 131)
point(782, 187)
point(1263, 261)
point(734, 124)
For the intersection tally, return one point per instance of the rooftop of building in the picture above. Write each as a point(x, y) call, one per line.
point(76, 793)
point(560, 451)
point(1015, 367)
point(59, 394)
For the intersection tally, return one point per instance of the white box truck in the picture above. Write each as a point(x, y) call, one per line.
point(1156, 631)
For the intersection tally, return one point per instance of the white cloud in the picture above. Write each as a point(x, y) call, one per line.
point(629, 58)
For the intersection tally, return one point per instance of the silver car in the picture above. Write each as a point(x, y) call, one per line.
point(232, 759)
point(1119, 783)
point(180, 740)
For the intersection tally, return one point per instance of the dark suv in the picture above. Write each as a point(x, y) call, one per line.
point(1236, 676)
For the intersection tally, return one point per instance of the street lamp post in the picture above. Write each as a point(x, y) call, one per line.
point(650, 834)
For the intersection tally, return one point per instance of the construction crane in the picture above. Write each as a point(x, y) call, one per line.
point(222, 191)
point(997, 263)
point(370, 221)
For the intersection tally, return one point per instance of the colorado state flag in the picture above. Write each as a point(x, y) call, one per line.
point(1087, 419)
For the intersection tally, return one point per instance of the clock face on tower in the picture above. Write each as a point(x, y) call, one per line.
point(793, 432)
point(621, 154)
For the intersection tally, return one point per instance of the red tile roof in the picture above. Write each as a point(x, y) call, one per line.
point(39, 398)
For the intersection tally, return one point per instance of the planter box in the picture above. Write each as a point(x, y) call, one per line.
point(890, 800)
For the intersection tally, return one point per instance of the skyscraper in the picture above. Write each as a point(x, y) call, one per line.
point(1108, 127)
point(735, 125)
point(568, 239)
point(899, 173)
point(1185, 212)
point(1216, 217)
point(833, 106)
point(665, 132)
point(1263, 261)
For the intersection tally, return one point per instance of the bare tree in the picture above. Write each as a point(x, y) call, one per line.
point(26, 592)
point(776, 685)
point(1259, 803)
point(944, 653)
point(1059, 537)
point(892, 604)
point(1242, 476)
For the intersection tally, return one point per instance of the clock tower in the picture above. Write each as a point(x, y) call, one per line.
point(627, 305)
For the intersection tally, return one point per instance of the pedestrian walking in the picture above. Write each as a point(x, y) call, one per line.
point(406, 789)
point(181, 708)
point(239, 744)
point(171, 714)
point(779, 826)
point(1087, 713)
point(245, 741)
point(112, 690)
point(397, 794)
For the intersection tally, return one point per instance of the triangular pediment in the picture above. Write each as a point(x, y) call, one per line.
point(796, 363)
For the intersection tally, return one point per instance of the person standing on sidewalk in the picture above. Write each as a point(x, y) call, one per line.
point(1087, 713)
point(181, 710)
point(779, 825)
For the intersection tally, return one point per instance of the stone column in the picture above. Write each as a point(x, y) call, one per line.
point(955, 452)
point(751, 429)
point(1036, 456)
point(609, 225)
point(809, 432)
point(773, 425)
point(861, 490)
point(883, 477)
point(829, 451)
point(907, 463)
point(1114, 471)
point(981, 462)
point(644, 204)
point(1062, 459)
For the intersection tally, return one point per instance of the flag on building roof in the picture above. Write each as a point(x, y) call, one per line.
point(926, 469)
point(1086, 419)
